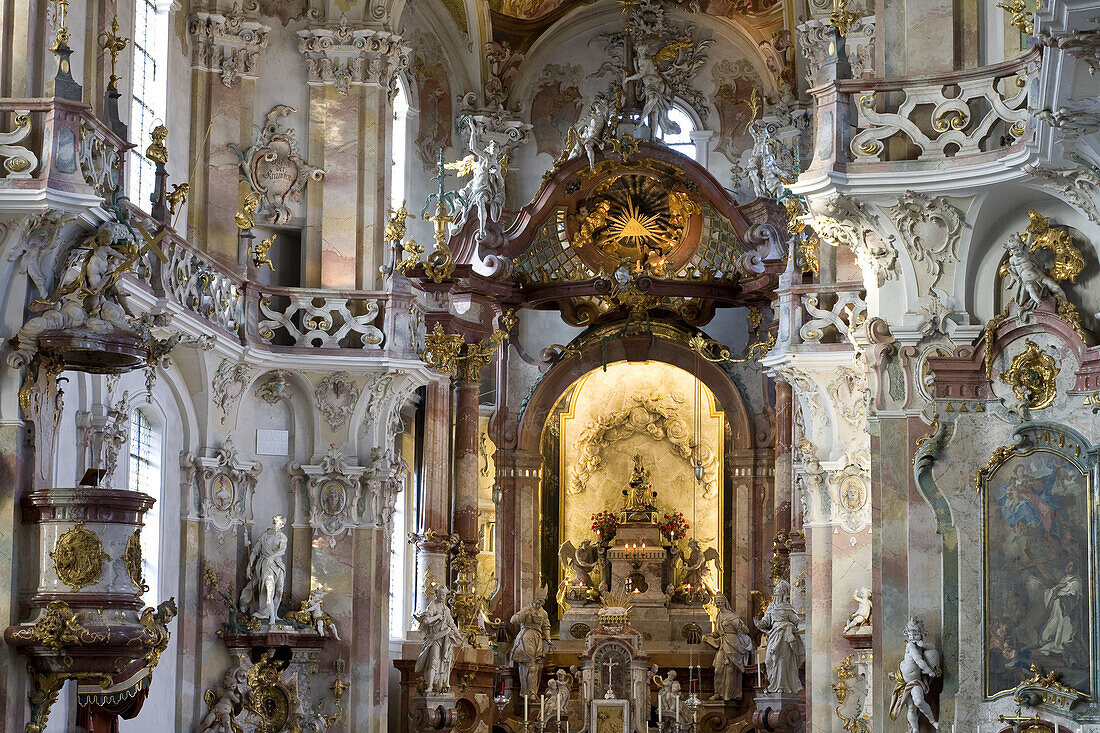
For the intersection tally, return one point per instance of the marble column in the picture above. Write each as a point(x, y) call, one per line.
point(518, 476)
point(353, 73)
point(223, 89)
point(465, 460)
point(435, 498)
point(787, 516)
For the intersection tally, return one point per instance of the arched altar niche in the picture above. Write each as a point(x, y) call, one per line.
point(654, 410)
point(528, 545)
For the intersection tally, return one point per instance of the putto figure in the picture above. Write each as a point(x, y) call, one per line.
point(911, 682)
point(266, 573)
point(860, 617)
point(1027, 274)
point(785, 652)
point(441, 637)
point(532, 644)
point(484, 192)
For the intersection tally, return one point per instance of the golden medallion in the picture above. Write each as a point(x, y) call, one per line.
point(1031, 376)
point(78, 557)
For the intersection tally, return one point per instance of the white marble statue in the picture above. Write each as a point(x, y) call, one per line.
point(226, 701)
point(441, 638)
point(532, 644)
point(785, 651)
point(733, 643)
point(579, 562)
point(669, 695)
point(266, 573)
point(767, 169)
point(591, 136)
point(559, 690)
point(484, 192)
point(920, 663)
point(314, 615)
point(656, 90)
point(860, 617)
point(1027, 274)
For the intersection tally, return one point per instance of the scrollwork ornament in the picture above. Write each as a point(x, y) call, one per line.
point(1032, 377)
point(78, 557)
point(132, 557)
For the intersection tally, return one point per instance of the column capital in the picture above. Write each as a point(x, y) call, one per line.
point(346, 54)
point(228, 44)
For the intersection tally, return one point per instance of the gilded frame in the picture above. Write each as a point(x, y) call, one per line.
point(1068, 444)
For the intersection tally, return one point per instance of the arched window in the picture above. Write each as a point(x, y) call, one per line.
point(680, 141)
point(146, 439)
point(399, 146)
point(148, 97)
point(402, 561)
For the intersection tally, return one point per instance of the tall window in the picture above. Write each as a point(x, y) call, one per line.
point(398, 581)
point(680, 141)
point(149, 96)
point(145, 466)
point(400, 145)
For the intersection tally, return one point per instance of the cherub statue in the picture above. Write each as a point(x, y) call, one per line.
point(695, 570)
point(766, 169)
point(484, 192)
point(592, 135)
point(87, 295)
point(1027, 274)
point(558, 696)
point(920, 663)
point(226, 701)
point(311, 614)
point(862, 615)
point(669, 695)
point(590, 221)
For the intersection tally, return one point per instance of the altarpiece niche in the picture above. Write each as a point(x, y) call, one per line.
point(1038, 597)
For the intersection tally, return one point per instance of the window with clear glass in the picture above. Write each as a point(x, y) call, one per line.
point(145, 476)
point(679, 141)
point(148, 101)
point(399, 146)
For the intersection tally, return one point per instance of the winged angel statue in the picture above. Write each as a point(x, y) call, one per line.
point(695, 571)
point(579, 563)
point(665, 59)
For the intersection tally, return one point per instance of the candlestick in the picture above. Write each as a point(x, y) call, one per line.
point(525, 709)
point(757, 655)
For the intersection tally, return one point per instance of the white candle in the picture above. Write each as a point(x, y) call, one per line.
point(660, 706)
point(758, 681)
point(557, 715)
point(525, 709)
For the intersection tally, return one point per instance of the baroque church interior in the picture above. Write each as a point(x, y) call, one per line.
point(549, 366)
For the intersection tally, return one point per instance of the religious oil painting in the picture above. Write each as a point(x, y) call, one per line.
point(1037, 571)
point(658, 412)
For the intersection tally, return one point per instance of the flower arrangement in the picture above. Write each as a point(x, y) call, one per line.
point(605, 524)
point(673, 527)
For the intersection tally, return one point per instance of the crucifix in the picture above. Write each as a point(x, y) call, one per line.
point(609, 693)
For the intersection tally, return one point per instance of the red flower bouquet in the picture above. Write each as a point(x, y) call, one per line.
point(605, 525)
point(673, 527)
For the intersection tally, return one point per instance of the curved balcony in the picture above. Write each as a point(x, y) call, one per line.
point(880, 135)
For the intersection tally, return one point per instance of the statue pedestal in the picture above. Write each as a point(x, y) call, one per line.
point(779, 712)
point(432, 713)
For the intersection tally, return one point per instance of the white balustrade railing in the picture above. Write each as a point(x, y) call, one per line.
point(323, 319)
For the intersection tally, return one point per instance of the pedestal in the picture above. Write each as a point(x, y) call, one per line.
point(432, 713)
point(779, 712)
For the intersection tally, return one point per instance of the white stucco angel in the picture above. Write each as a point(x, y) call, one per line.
point(266, 573)
point(484, 192)
point(579, 562)
point(656, 90)
point(695, 573)
point(592, 134)
point(559, 690)
point(767, 170)
point(441, 639)
point(669, 696)
point(911, 682)
point(862, 615)
point(1026, 273)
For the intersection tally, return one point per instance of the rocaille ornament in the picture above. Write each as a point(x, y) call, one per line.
point(1031, 376)
point(78, 557)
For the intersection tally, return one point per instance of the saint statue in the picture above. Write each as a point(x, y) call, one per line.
point(441, 636)
point(266, 573)
point(785, 652)
point(532, 643)
point(920, 663)
point(732, 641)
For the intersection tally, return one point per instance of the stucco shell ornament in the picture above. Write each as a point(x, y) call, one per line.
point(273, 168)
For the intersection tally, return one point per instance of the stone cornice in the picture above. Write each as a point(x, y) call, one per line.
point(227, 44)
point(345, 54)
